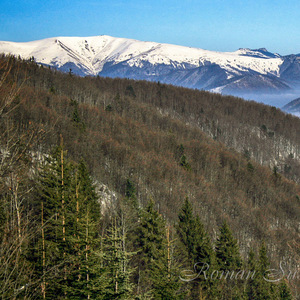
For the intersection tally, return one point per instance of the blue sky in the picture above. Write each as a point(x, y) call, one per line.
point(220, 25)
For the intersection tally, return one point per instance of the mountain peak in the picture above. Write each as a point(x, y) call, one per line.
point(185, 66)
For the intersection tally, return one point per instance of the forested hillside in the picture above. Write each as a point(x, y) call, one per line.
point(179, 167)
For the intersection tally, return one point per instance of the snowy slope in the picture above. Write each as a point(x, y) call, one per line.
point(93, 52)
point(191, 67)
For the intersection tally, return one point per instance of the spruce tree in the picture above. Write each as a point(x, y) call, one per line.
point(228, 261)
point(49, 249)
point(227, 250)
point(197, 248)
point(150, 237)
point(259, 286)
point(118, 271)
point(284, 291)
point(68, 215)
point(165, 272)
point(264, 288)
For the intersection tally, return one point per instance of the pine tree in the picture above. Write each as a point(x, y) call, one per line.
point(130, 193)
point(228, 260)
point(197, 246)
point(251, 281)
point(186, 230)
point(227, 250)
point(164, 272)
point(259, 287)
point(68, 215)
point(118, 271)
point(81, 281)
point(284, 291)
point(150, 237)
point(264, 288)
point(49, 249)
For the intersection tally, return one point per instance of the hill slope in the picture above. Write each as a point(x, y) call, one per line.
point(293, 107)
point(140, 130)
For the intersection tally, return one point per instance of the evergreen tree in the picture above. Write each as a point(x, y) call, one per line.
point(164, 272)
point(251, 281)
point(84, 279)
point(118, 271)
point(186, 230)
point(227, 250)
point(130, 193)
point(49, 249)
point(68, 216)
point(258, 287)
point(150, 237)
point(284, 291)
point(198, 249)
point(228, 260)
point(264, 288)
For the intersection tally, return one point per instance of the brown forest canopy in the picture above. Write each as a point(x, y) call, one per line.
point(231, 157)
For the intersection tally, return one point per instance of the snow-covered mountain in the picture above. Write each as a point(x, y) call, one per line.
point(242, 71)
point(293, 107)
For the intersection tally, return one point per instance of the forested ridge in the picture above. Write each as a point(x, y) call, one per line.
point(191, 173)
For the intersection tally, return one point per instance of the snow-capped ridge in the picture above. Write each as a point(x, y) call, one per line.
point(175, 64)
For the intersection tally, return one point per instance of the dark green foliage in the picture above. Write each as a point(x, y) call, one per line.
point(183, 163)
point(150, 242)
point(130, 191)
point(185, 230)
point(250, 167)
point(116, 262)
point(130, 91)
point(108, 107)
point(164, 274)
point(76, 119)
point(197, 248)
point(150, 234)
point(227, 250)
point(181, 157)
point(284, 291)
point(260, 287)
point(68, 214)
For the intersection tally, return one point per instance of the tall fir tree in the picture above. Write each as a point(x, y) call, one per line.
point(165, 272)
point(197, 248)
point(229, 262)
point(227, 250)
point(118, 270)
point(150, 237)
point(68, 213)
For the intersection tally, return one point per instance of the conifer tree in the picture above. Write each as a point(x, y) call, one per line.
point(284, 291)
point(251, 281)
point(118, 271)
point(49, 250)
point(149, 242)
point(186, 230)
point(165, 271)
point(85, 237)
point(264, 288)
point(259, 287)
point(227, 250)
point(68, 215)
point(130, 193)
point(197, 246)
point(228, 260)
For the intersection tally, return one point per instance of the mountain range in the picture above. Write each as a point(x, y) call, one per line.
point(243, 72)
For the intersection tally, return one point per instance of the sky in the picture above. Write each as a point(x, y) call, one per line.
point(218, 25)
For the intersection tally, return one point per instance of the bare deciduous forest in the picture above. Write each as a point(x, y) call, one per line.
point(88, 165)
